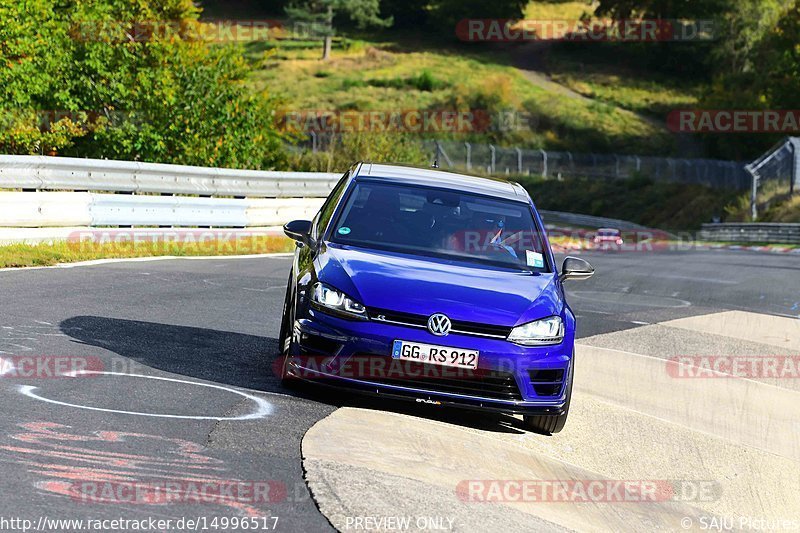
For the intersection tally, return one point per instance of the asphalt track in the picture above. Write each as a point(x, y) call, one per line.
point(187, 394)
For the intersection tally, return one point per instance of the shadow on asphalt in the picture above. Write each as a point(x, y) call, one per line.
point(244, 361)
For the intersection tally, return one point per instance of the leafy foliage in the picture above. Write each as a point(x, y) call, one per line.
point(163, 94)
point(320, 13)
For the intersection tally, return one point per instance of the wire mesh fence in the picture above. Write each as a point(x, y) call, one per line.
point(771, 178)
point(489, 159)
point(776, 175)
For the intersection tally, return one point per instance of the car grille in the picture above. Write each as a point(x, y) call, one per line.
point(482, 383)
point(421, 321)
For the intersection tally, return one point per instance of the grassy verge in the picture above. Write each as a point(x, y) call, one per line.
point(401, 74)
point(24, 255)
point(621, 87)
point(775, 205)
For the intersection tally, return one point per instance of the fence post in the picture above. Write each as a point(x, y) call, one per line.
point(638, 163)
point(794, 142)
point(544, 163)
point(494, 154)
point(443, 154)
point(519, 160)
point(753, 192)
point(313, 142)
point(468, 146)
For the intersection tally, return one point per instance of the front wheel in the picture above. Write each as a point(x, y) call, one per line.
point(549, 424)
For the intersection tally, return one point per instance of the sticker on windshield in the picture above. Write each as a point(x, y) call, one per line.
point(534, 259)
point(344, 230)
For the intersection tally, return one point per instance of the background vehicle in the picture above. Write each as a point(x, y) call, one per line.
point(608, 236)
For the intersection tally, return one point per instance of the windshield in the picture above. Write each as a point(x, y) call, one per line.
point(450, 224)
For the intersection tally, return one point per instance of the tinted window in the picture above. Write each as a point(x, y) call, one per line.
point(428, 221)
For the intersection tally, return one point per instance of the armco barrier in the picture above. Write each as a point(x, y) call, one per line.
point(63, 173)
point(752, 232)
point(59, 209)
point(44, 209)
point(278, 211)
point(250, 198)
point(119, 209)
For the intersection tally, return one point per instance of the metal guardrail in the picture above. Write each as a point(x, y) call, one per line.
point(261, 198)
point(42, 173)
point(752, 233)
point(62, 209)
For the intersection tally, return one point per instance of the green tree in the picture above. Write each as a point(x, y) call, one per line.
point(663, 9)
point(140, 83)
point(318, 16)
point(445, 14)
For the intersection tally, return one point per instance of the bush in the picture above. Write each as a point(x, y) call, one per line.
point(425, 81)
point(171, 96)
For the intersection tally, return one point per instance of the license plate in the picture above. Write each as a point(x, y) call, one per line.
point(436, 355)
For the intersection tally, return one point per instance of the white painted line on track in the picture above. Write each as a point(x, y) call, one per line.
point(615, 298)
point(264, 408)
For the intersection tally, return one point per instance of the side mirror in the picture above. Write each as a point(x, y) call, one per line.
point(299, 230)
point(576, 268)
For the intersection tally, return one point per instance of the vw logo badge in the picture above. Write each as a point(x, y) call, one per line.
point(439, 324)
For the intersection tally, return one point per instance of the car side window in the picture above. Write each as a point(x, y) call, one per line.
point(326, 211)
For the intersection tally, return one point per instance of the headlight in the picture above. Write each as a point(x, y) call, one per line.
point(330, 298)
point(539, 333)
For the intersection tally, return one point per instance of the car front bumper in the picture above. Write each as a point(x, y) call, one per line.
point(325, 343)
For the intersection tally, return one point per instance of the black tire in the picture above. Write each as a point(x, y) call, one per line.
point(285, 337)
point(549, 424)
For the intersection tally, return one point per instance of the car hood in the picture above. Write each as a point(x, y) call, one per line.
point(423, 286)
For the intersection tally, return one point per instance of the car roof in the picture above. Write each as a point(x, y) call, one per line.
point(495, 187)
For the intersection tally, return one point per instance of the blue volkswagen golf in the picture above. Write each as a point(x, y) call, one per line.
point(435, 287)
